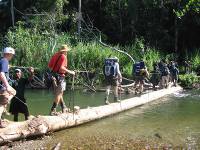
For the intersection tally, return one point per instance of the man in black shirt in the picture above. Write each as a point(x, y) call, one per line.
point(18, 103)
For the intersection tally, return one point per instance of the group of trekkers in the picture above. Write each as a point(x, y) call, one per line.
point(12, 90)
point(162, 76)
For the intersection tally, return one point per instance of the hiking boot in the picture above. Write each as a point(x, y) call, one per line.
point(65, 110)
point(116, 99)
point(53, 112)
point(107, 102)
point(63, 107)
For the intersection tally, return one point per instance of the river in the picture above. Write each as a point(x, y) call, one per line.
point(170, 122)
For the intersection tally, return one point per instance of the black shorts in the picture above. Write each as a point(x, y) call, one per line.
point(139, 79)
point(112, 82)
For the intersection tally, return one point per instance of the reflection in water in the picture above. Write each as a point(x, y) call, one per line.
point(173, 120)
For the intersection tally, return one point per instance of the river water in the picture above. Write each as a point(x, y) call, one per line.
point(170, 122)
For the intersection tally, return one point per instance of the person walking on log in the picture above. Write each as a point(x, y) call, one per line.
point(165, 75)
point(174, 73)
point(6, 91)
point(18, 103)
point(113, 77)
point(58, 66)
point(140, 73)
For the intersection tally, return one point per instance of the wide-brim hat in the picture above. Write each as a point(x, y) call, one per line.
point(64, 48)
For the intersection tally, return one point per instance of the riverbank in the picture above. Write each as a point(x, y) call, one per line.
point(95, 142)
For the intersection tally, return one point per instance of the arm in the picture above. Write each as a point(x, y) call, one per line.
point(119, 73)
point(31, 73)
point(63, 66)
point(4, 80)
point(64, 69)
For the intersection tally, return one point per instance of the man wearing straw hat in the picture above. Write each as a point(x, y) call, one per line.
point(58, 65)
point(6, 91)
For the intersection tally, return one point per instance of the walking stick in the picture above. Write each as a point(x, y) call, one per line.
point(120, 95)
point(72, 89)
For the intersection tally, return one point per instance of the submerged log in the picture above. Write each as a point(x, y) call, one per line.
point(41, 125)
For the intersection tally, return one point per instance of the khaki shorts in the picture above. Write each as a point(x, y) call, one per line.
point(2, 109)
point(5, 97)
point(59, 86)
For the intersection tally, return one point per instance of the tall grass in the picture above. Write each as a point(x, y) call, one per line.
point(34, 48)
point(195, 59)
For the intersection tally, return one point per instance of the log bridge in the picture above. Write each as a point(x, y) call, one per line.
point(42, 125)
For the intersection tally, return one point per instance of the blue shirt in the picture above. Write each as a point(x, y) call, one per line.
point(4, 68)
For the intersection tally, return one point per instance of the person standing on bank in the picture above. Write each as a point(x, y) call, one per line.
point(58, 66)
point(18, 103)
point(113, 77)
point(6, 91)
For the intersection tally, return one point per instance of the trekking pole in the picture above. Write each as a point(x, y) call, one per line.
point(120, 95)
point(72, 90)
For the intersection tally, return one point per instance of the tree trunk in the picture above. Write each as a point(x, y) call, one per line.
point(41, 125)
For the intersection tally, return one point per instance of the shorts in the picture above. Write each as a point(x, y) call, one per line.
point(2, 109)
point(112, 82)
point(5, 97)
point(139, 79)
point(60, 86)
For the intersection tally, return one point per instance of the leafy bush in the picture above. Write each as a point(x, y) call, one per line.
point(195, 60)
point(187, 80)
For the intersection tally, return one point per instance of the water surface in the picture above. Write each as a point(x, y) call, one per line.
point(173, 121)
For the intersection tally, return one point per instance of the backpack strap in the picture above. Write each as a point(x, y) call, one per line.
point(56, 64)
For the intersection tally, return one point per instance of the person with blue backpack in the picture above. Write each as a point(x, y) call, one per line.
point(112, 76)
point(165, 74)
point(174, 74)
point(140, 73)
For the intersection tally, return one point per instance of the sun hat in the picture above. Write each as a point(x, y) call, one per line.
point(64, 48)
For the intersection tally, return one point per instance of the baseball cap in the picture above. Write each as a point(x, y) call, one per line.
point(9, 50)
point(18, 70)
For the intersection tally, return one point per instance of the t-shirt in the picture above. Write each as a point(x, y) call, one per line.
point(56, 62)
point(4, 68)
point(4, 65)
point(19, 86)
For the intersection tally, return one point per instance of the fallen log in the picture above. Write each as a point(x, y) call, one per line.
point(41, 125)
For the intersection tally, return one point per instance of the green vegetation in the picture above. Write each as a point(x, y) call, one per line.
point(34, 48)
point(148, 30)
point(187, 80)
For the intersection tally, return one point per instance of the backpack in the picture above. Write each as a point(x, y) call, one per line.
point(165, 71)
point(137, 67)
point(110, 67)
point(49, 74)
